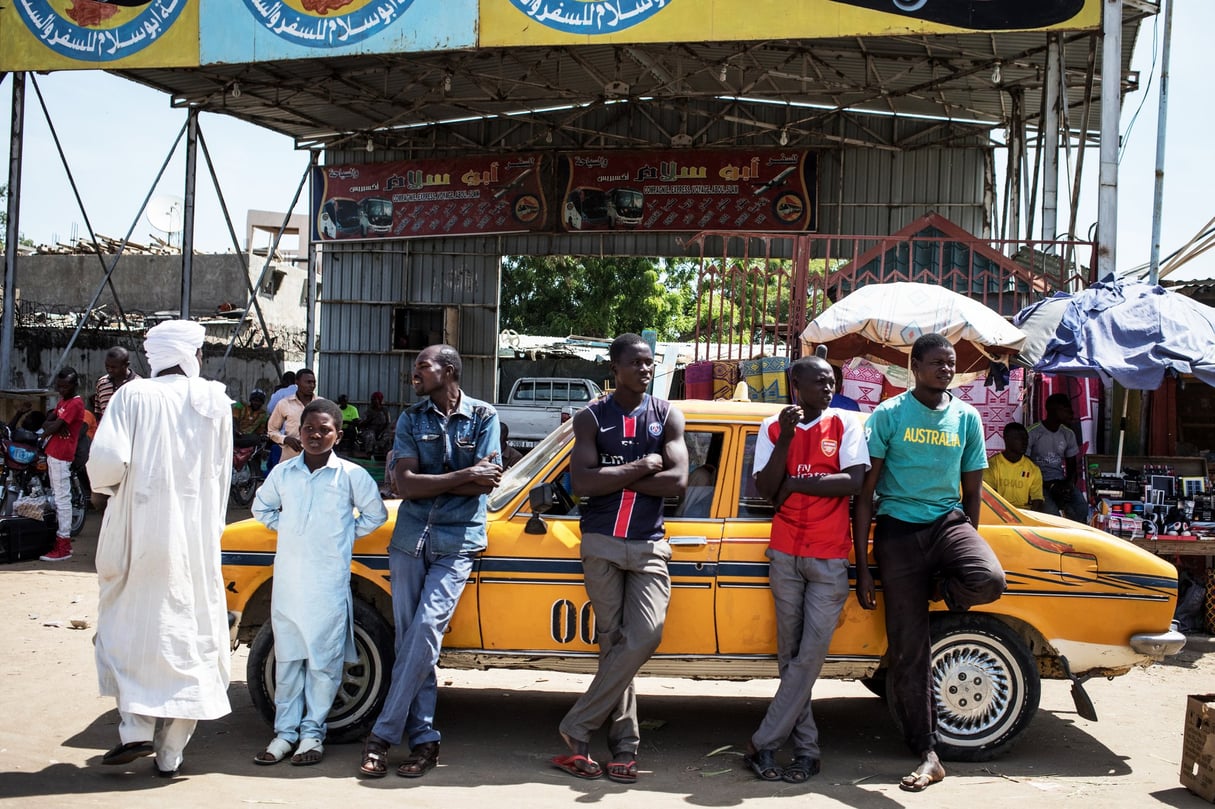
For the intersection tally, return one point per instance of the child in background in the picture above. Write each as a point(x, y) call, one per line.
point(63, 427)
point(312, 500)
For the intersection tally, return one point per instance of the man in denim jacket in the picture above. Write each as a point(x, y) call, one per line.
point(445, 462)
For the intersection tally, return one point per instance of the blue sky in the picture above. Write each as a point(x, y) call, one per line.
point(116, 134)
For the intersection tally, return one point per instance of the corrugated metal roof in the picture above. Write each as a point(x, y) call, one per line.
point(403, 100)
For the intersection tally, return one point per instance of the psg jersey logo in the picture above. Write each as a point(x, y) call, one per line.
point(655, 429)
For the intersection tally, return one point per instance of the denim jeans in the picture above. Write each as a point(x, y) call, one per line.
point(425, 592)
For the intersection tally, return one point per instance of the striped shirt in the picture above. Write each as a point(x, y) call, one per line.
point(621, 438)
point(106, 388)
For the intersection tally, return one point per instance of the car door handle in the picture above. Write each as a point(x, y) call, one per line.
point(690, 542)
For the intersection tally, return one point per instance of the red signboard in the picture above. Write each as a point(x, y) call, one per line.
point(688, 190)
point(414, 198)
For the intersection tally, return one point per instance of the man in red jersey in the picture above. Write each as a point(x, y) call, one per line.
point(809, 460)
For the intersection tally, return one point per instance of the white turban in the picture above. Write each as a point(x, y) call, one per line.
point(174, 342)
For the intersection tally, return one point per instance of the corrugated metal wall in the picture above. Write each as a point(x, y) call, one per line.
point(873, 180)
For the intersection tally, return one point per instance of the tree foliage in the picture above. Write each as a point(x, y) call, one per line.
point(596, 297)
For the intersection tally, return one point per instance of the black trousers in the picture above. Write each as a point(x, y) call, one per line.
point(917, 563)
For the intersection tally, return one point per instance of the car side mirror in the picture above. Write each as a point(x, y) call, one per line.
point(541, 498)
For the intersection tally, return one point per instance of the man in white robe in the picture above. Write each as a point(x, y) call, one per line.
point(163, 454)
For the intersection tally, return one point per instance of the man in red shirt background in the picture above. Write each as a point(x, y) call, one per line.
point(64, 430)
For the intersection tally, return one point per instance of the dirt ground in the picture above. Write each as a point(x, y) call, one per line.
point(500, 730)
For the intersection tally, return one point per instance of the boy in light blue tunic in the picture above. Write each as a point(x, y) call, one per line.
point(319, 504)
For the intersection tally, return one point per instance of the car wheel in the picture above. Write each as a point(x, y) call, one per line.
point(986, 686)
point(364, 682)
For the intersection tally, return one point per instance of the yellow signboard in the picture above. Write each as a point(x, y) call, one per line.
point(581, 22)
point(80, 34)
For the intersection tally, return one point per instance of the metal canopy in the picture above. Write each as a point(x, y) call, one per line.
point(427, 102)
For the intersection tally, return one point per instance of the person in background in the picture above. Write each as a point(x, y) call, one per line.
point(629, 454)
point(510, 455)
point(249, 421)
point(375, 428)
point(838, 400)
point(445, 463)
point(117, 373)
point(286, 387)
point(925, 446)
point(1053, 447)
point(310, 501)
point(284, 425)
point(64, 427)
point(809, 460)
point(1012, 474)
point(163, 454)
point(350, 423)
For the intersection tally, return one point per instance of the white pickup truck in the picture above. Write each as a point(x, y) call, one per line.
point(537, 405)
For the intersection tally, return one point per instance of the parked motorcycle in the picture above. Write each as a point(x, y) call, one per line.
point(25, 486)
point(248, 464)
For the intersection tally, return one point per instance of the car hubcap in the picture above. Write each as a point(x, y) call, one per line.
point(975, 690)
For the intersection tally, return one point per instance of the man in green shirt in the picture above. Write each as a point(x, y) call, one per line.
point(925, 446)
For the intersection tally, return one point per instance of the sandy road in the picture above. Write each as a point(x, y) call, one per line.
point(500, 731)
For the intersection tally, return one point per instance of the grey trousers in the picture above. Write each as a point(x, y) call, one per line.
point(629, 587)
point(809, 595)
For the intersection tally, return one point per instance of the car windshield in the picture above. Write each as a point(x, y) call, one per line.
point(346, 212)
point(515, 478)
point(379, 211)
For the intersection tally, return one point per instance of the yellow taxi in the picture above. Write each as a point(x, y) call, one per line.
point(1079, 603)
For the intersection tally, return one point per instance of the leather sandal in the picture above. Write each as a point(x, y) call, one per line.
point(422, 760)
point(375, 758)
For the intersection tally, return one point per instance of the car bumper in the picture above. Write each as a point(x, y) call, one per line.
point(1158, 644)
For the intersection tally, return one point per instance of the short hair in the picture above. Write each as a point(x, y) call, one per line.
point(928, 342)
point(324, 406)
point(1058, 400)
point(448, 357)
point(804, 364)
point(622, 343)
point(118, 353)
point(1015, 427)
point(68, 374)
point(304, 371)
point(288, 378)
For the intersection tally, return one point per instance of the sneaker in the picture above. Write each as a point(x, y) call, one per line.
point(61, 552)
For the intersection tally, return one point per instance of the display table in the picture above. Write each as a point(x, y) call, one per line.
point(1166, 546)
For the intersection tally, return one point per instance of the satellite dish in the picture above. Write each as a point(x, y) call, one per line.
point(166, 213)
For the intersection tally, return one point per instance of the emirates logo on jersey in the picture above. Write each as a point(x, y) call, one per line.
point(829, 446)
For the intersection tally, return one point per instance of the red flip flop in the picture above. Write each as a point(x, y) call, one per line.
point(623, 772)
point(578, 766)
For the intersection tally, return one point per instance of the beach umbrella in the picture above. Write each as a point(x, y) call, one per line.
point(880, 322)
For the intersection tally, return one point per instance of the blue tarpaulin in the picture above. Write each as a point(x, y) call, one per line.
point(1130, 332)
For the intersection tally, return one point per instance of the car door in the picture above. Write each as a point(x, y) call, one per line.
point(746, 618)
point(530, 588)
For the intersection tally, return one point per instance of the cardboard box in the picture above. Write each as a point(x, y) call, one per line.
point(1198, 750)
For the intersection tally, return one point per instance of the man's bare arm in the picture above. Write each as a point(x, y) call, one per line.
point(672, 480)
point(588, 477)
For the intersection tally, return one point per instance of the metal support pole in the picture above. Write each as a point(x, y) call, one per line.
point(1050, 129)
point(187, 225)
point(1161, 121)
point(310, 315)
point(1111, 112)
point(12, 232)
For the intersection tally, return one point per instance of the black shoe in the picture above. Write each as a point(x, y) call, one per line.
point(166, 773)
point(126, 753)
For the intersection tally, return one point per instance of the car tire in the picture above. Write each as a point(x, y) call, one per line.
point(364, 683)
point(877, 684)
point(985, 683)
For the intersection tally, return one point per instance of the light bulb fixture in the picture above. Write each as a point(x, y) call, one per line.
point(721, 76)
point(370, 145)
point(236, 89)
point(548, 136)
point(784, 137)
point(997, 75)
point(447, 83)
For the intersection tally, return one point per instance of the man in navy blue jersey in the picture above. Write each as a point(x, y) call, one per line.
point(629, 454)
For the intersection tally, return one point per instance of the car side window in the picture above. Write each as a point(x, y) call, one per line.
point(524, 392)
point(750, 502)
point(704, 461)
